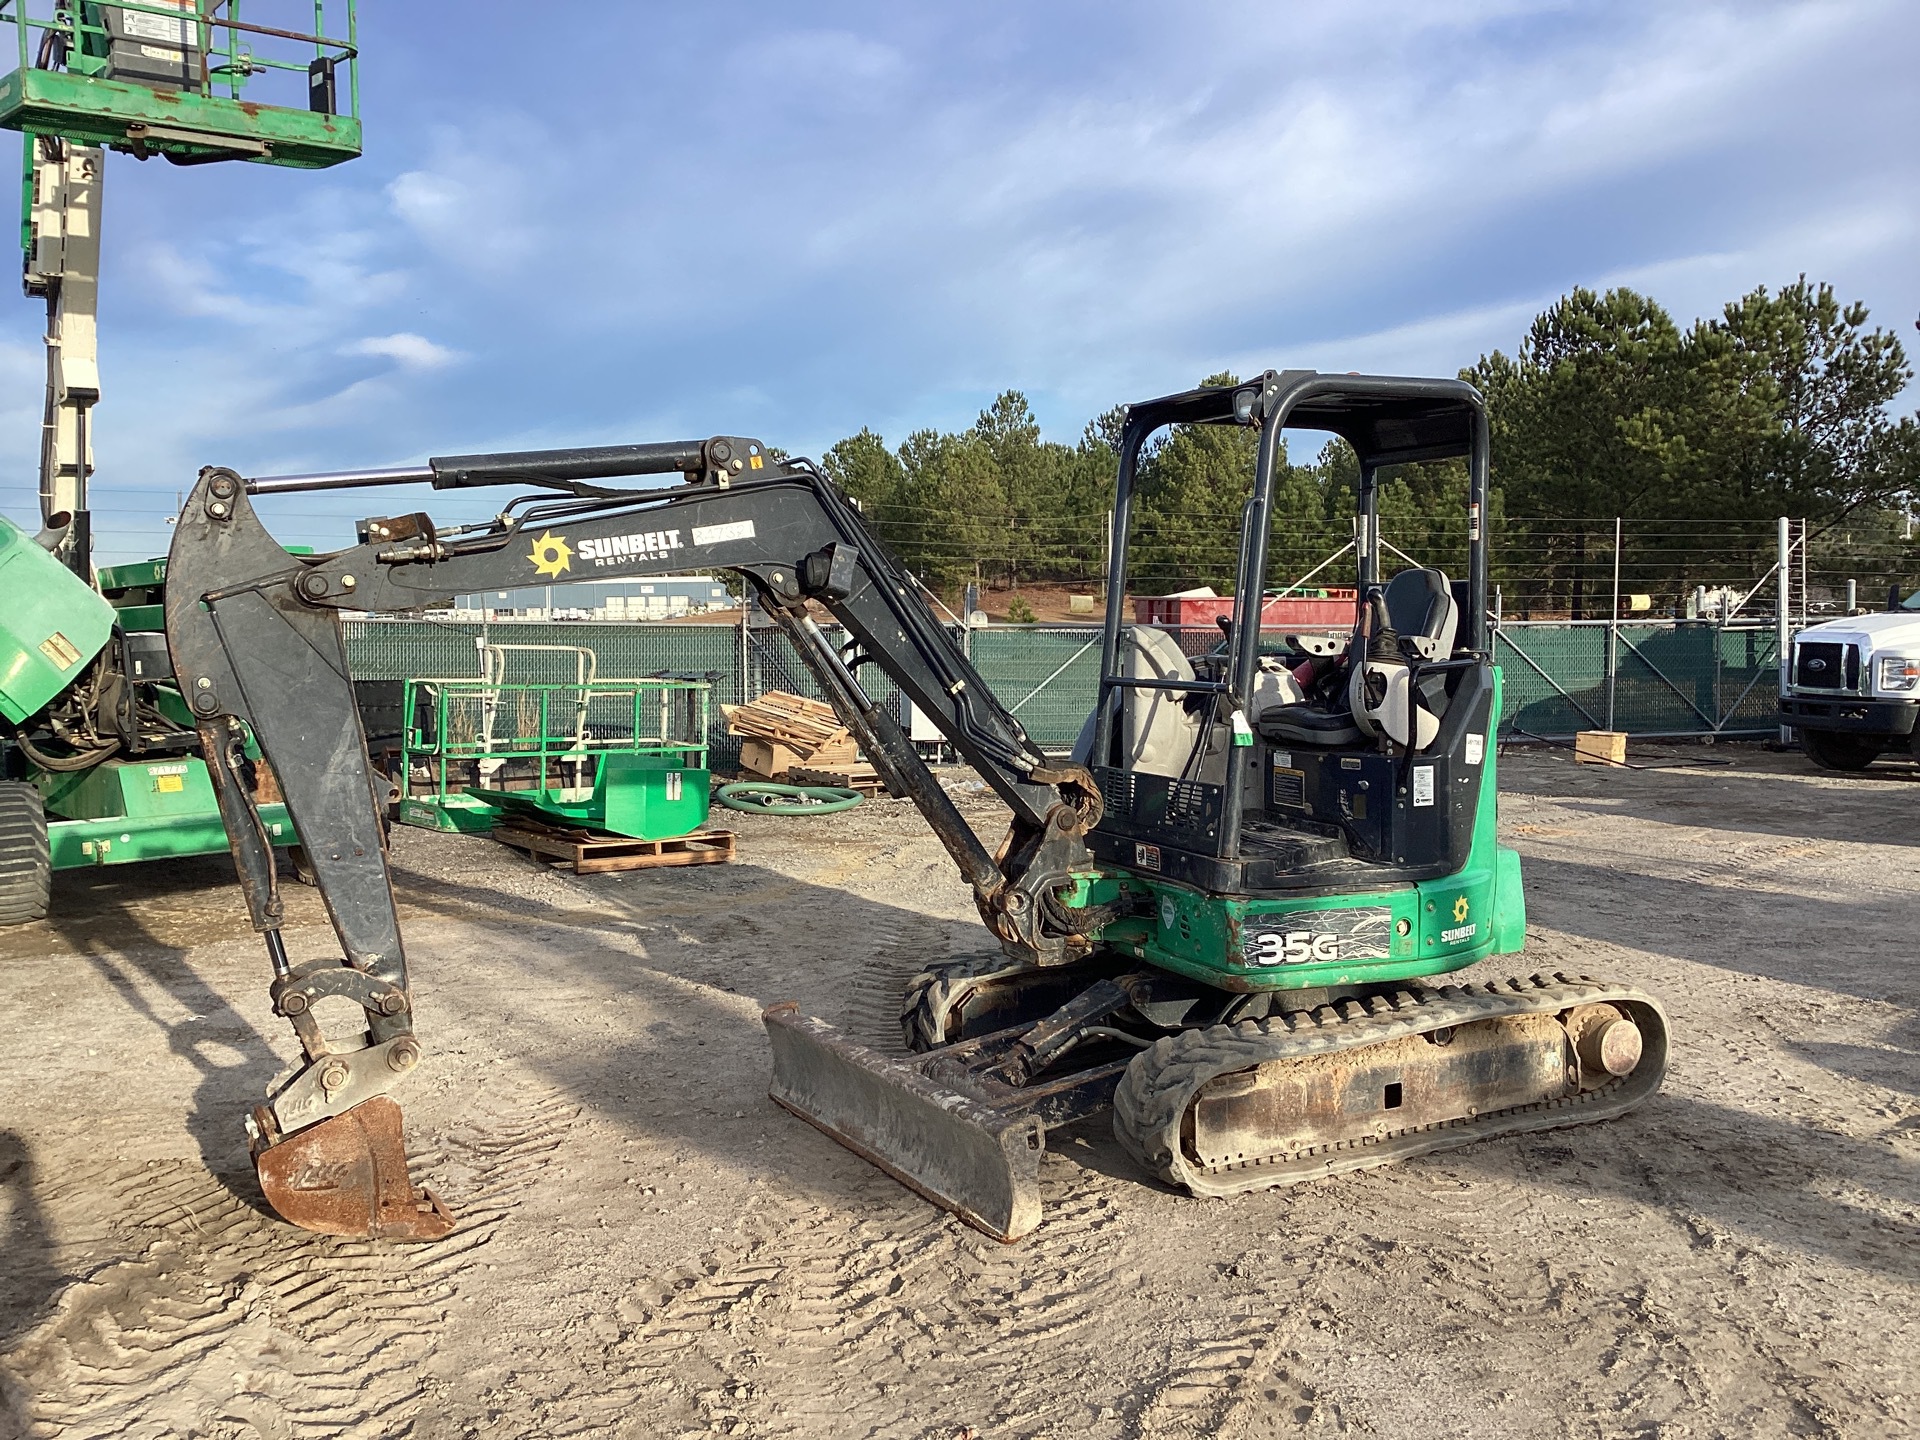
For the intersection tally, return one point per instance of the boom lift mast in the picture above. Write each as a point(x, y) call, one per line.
point(63, 267)
point(1211, 917)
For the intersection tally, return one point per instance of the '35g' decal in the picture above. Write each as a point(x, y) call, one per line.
point(1291, 947)
point(1319, 937)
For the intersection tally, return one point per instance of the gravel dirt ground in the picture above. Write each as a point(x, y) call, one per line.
point(650, 1248)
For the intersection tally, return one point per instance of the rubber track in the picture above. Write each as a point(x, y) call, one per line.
point(1162, 1082)
point(25, 867)
point(931, 994)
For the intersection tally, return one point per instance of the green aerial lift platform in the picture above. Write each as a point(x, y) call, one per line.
point(101, 759)
point(626, 756)
point(171, 77)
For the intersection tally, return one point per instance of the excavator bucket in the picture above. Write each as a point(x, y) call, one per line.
point(979, 1160)
point(348, 1176)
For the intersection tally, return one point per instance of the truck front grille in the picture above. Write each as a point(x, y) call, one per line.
point(1826, 665)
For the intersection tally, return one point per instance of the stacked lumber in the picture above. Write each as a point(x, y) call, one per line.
point(779, 731)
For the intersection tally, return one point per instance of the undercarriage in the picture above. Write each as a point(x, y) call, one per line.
point(1213, 1093)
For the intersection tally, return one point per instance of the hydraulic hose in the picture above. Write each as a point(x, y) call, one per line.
point(763, 797)
point(66, 764)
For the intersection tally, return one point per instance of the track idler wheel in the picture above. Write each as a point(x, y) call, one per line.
point(347, 1176)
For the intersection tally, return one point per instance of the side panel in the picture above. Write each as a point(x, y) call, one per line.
point(79, 843)
point(52, 624)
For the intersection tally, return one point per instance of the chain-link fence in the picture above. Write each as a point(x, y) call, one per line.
point(1676, 678)
point(1647, 678)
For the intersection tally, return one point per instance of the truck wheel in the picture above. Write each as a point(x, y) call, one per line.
point(1839, 752)
point(26, 871)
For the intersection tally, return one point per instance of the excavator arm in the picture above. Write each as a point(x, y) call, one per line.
point(256, 642)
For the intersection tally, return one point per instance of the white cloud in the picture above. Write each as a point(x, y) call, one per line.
point(191, 284)
point(477, 203)
point(409, 351)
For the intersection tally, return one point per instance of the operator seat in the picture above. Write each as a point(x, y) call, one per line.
point(1415, 612)
point(1413, 619)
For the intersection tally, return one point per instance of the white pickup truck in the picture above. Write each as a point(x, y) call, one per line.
point(1853, 688)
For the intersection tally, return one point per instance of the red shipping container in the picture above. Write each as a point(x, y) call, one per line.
point(1331, 611)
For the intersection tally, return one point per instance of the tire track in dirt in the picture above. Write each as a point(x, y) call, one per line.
point(823, 1324)
point(1214, 1384)
point(200, 1314)
point(897, 943)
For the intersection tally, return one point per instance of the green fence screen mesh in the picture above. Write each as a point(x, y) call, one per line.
point(1677, 678)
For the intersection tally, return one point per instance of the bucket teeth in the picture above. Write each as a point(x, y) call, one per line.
point(348, 1176)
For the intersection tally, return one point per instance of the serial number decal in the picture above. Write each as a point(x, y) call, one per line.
point(716, 534)
point(1319, 937)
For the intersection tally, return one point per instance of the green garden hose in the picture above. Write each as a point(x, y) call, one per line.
point(763, 797)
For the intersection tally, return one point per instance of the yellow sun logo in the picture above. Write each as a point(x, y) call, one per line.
point(550, 554)
point(1459, 909)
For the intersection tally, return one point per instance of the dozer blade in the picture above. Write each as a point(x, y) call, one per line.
point(348, 1176)
point(980, 1162)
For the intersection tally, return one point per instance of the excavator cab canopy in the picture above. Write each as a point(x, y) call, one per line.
point(188, 79)
point(1263, 767)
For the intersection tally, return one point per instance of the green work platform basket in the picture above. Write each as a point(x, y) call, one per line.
point(627, 756)
point(188, 79)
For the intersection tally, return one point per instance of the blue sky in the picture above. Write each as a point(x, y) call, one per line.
point(792, 221)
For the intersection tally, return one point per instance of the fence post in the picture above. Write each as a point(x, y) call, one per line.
point(1613, 626)
point(1783, 622)
point(1720, 715)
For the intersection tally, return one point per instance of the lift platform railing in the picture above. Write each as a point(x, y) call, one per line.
point(188, 79)
point(467, 731)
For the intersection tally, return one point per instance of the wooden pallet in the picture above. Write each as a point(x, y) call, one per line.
point(791, 720)
point(862, 778)
point(593, 853)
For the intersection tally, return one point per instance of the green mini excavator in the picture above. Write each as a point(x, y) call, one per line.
point(1223, 916)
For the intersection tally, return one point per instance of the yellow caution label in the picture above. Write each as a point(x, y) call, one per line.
point(60, 650)
point(169, 784)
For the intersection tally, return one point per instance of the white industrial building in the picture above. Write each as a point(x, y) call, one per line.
point(664, 597)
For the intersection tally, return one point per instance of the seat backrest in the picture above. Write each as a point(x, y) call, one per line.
point(1418, 605)
point(1420, 602)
